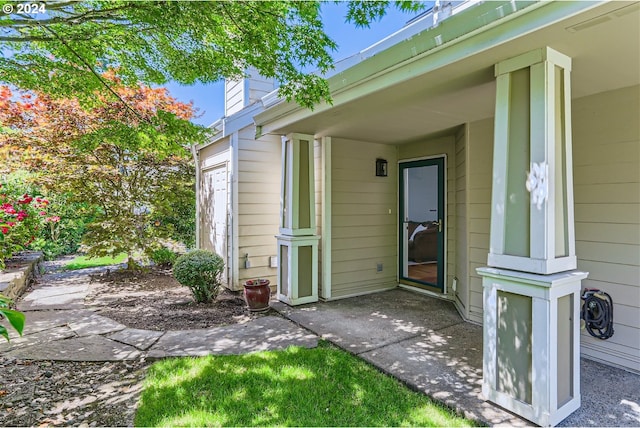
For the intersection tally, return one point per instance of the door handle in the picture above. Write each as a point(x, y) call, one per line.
point(439, 223)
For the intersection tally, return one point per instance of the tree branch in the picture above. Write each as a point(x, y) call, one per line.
point(231, 17)
point(57, 5)
point(71, 20)
point(103, 14)
point(86, 64)
point(28, 39)
point(260, 11)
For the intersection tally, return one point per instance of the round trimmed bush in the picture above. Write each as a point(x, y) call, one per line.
point(200, 270)
point(163, 257)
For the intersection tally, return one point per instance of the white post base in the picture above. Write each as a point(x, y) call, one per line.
point(298, 269)
point(531, 362)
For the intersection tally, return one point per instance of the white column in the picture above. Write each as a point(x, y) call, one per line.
point(532, 201)
point(297, 241)
point(531, 361)
point(531, 289)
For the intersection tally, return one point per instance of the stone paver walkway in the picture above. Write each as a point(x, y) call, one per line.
point(61, 327)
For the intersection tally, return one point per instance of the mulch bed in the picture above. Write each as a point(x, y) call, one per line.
point(154, 300)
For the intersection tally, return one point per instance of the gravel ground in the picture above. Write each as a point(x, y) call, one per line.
point(56, 393)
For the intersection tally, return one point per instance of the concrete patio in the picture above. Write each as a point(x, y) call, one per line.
point(420, 340)
point(423, 342)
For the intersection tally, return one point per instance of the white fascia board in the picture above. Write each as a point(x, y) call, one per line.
point(467, 33)
point(408, 44)
point(242, 119)
point(217, 124)
point(217, 137)
point(409, 30)
point(233, 123)
point(414, 27)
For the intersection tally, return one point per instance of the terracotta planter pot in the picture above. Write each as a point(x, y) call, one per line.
point(257, 294)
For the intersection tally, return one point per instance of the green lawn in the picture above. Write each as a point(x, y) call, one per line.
point(82, 262)
point(297, 387)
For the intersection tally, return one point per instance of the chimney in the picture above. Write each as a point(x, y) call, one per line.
point(244, 92)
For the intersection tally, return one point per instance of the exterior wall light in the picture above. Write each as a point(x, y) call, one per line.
point(381, 167)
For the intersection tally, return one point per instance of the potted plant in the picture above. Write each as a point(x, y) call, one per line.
point(257, 294)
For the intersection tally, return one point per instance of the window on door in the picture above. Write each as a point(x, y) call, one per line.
point(422, 223)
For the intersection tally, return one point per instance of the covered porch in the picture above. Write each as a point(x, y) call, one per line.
point(531, 126)
point(423, 342)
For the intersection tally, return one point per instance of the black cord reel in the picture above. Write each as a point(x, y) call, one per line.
point(597, 313)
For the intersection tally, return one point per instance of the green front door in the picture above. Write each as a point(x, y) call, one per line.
point(422, 224)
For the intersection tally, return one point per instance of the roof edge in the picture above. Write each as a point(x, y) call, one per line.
point(465, 23)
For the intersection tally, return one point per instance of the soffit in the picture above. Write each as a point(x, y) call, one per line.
point(604, 44)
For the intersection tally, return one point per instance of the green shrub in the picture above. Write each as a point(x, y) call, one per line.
point(22, 214)
point(163, 257)
point(15, 318)
point(200, 270)
point(179, 219)
point(66, 219)
point(64, 236)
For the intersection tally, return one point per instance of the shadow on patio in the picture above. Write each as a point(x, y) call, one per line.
point(425, 343)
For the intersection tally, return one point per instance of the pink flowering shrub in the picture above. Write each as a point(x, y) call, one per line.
point(20, 219)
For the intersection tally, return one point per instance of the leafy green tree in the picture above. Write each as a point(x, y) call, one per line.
point(135, 189)
point(65, 50)
point(128, 158)
point(179, 219)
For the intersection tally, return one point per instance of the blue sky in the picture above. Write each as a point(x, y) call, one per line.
point(209, 99)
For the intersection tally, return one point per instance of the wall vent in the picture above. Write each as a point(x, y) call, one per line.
point(603, 18)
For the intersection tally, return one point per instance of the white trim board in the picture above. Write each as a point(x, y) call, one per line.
point(325, 241)
point(233, 217)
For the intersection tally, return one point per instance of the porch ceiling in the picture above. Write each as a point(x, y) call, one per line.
point(603, 42)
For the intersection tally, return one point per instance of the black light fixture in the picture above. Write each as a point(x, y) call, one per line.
point(381, 167)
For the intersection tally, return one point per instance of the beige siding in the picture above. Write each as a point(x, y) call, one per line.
point(259, 87)
point(441, 146)
point(462, 242)
point(234, 96)
point(258, 203)
point(478, 197)
point(246, 91)
point(606, 157)
point(364, 221)
point(210, 155)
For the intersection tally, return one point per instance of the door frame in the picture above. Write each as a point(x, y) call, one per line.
point(227, 276)
point(440, 290)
